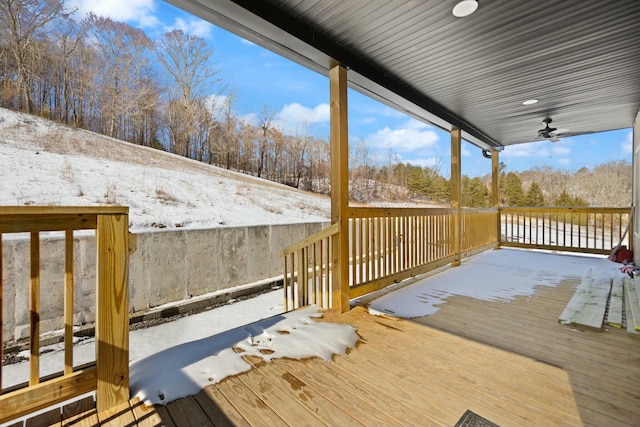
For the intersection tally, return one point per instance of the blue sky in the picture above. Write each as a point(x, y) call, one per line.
point(300, 100)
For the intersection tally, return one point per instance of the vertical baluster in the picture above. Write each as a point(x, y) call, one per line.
point(361, 252)
point(376, 248)
point(34, 309)
point(302, 277)
point(1, 314)
point(365, 250)
point(394, 244)
point(619, 227)
point(602, 231)
point(354, 243)
point(384, 245)
point(285, 282)
point(321, 275)
point(588, 220)
point(327, 274)
point(432, 238)
point(68, 303)
point(314, 274)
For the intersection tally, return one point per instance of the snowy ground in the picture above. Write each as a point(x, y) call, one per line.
point(45, 163)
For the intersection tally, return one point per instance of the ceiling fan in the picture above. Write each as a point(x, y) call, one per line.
point(552, 134)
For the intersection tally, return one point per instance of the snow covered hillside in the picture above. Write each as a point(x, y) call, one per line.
point(45, 163)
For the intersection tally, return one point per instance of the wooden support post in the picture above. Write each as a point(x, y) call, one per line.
point(495, 190)
point(339, 187)
point(1, 314)
point(456, 192)
point(634, 220)
point(112, 317)
point(34, 309)
point(68, 302)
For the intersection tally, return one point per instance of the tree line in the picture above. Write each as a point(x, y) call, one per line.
point(109, 77)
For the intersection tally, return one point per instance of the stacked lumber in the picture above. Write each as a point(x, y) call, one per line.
point(632, 296)
point(616, 308)
point(588, 305)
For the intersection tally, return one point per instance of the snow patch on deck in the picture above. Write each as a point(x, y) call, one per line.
point(185, 369)
point(498, 275)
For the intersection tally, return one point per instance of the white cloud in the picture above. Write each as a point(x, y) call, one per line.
point(564, 161)
point(294, 116)
point(559, 150)
point(193, 26)
point(250, 119)
point(533, 149)
point(414, 136)
point(627, 144)
point(139, 11)
point(216, 103)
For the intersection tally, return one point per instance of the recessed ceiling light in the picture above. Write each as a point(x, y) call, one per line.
point(465, 8)
point(530, 102)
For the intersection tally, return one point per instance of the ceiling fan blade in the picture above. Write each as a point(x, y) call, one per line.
point(554, 138)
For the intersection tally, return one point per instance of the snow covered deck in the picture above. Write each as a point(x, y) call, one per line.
point(501, 354)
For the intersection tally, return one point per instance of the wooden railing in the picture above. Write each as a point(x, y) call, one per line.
point(109, 376)
point(385, 247)
point(389, 245)
point(307, 270)
point(589, 230)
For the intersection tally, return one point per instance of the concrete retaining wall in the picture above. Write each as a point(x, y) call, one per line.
point(166, 266)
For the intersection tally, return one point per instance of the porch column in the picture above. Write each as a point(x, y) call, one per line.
point(339, 187)
point(634, 238)
point(495, 189)
point(456, 192)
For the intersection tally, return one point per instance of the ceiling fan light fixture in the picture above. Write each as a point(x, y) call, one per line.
point(529, 102)
point(465, 8)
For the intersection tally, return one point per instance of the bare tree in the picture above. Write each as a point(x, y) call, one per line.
point(22, 23)
point(124, 74)
point(187, 60)
point(264, 121)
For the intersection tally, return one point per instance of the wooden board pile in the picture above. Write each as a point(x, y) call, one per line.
point(616, 298)
point(632, 297)
point(588, 304)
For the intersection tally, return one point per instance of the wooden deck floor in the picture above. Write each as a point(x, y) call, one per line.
point(511, 363)
point(603, 367)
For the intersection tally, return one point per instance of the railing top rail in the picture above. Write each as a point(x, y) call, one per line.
point(370, 212)
point(21, 219)
point(63, 210)
point(552, 209)
point(327, 232)
point(479, 210)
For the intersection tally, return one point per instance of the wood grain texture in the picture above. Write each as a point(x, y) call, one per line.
point(68, 302)
point(614, 314)
point(34, 310)
point(187, 411)
point(30, 399)
point(1, 313)
point(149, 416)
point(112, 323)
point(339, 146)
point(119, 415)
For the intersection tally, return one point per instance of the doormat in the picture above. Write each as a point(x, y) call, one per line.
point(471, 419)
